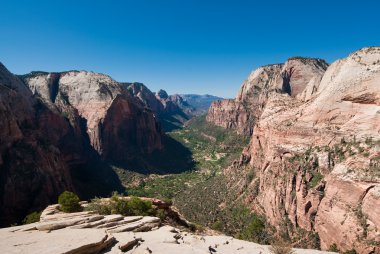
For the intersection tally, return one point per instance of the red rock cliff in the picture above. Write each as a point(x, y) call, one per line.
point(292, 78)
point(33, 171)
point(117, 126)
point(316, 156)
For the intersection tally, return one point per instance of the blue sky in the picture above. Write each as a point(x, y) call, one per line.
point(181, 46)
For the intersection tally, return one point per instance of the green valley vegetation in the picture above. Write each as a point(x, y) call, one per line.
point(213, 149)
point(202, 194)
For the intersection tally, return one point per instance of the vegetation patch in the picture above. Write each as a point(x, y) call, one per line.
point(32, 218)
point(69, 202)
point(132, 206)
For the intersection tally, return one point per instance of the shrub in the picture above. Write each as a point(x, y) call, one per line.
point(98, 207)
point(255, 230)
point(168, 201)
point(218, 225)
point(334, 248)
point(161, 213)
point(31, 218)
point(352, 251)
point(69, 202)
point(281, 247)
point(137, 206)
point(317, 177)
point(116, 205)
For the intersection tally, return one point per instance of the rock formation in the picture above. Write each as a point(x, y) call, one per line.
point(118, 128)
point(315, 151)
point(59, 131)
point(292, 78)
point(172, 111)
point(86, 232)
point(32, 167)
point(176, 111)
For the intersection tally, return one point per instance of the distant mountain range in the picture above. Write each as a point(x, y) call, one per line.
point(200, 103)
point(171, 110)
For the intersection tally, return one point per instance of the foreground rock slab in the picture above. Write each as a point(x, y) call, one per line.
point(58, 241)
point(86, 232)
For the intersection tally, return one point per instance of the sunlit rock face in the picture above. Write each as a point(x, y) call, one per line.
point(315, 153)
point(58, 129)
point(298, 77)
point(117, 126)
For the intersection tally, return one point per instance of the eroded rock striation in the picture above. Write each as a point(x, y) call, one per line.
point(315, 153)
point(86, 232)
point(172, 111)
point(298, 77)
point(33, 169)
point(117, 127)
point(59, 131)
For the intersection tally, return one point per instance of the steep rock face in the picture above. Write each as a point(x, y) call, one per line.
point(316, 156)
point(175, 111)
point(111, 118)
point(127, 131)
point(33, 171)
point(298, 77)
point(174, 105)
point(231, 114)
point(147, 97)
point(172, 111)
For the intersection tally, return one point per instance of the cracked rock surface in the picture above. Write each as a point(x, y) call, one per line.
point(86, 232)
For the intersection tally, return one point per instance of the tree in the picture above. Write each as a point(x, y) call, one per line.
point(69, 202)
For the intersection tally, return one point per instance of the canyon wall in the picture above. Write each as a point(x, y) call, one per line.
point(293, 77)
point(60, 131)
point(117, 126)
point(315, 154)
point(32, 168)
point(171, 111)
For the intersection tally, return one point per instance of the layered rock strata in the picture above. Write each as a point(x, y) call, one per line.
point(118, 128)
point(315, 156)
point(85, 232)
point(298, 77)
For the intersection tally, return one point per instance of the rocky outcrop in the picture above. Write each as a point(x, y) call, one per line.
point(118, 128)
point(315, 155)
point(298, 77)
point(86, 232)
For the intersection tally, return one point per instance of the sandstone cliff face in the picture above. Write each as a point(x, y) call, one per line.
point(32, 168)
point(56, 127)
point(148, 98)
point(172, 111)
point(118, 128)
point(315, 155)
point(298, 77)
point(175, 105)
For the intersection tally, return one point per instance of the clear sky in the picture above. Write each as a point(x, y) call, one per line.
point(183, 46)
